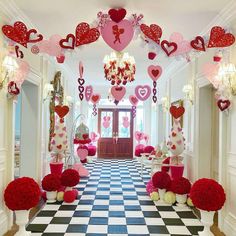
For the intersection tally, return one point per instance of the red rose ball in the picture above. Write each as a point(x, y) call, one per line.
point(180, 186)
point(51, 182)
point(69, 196)
point(161, 180)
point(208, 195)
point(70, 178)
point(22, 194)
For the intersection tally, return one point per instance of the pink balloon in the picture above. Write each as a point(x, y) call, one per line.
point(154, 72)
point(118, 35)
point(142, 92)
point(118, 92)
point(88, 92)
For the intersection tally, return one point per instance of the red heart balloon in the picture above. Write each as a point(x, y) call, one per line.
point(223, 104)
point(177, 112)
point(85, 35)
point(68, 42)
point(61, 110)
point(166, 46)
point(154, 32)
point(198, 44)
point(218, 38)
point(17, 33)
point(117, 15)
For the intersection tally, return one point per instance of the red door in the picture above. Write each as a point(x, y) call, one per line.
point(116, 133)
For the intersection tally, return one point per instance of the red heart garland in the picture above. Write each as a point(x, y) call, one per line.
point(17, 33)
point(95, 98)
point(117, 15)
point(223, 104)
point(218, 38)
point(68, 42)
point(85, 35)
point(34, 31)
point(154, 32)
point(165, 45)
point(177, 112)
point(61, 110)
point(198, 43)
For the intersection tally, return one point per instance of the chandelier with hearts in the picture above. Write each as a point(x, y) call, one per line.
point(119, 68)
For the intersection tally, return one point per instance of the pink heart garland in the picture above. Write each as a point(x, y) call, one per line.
point(142, 92)
point(88, 92)
point(154, 72)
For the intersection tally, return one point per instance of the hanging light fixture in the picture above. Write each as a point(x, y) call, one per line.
point(119, 68)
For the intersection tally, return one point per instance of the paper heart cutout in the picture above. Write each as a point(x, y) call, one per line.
point(125, 118)
point(53, 142)
point(173, 147)
point(85, 35)
point(218, 38)
point(153, 32)
point(118, 92)
point(39, 37)
point(210, 70)
point(198, 43)
point(88, 92)
point(139, 136)
point(154, 72)
point(59, 146)
point(168, 47)
point(142, 92)
point(173, 134)
point(95, 98)
point(133, 100)
point(223, 104)
point(106, 124)
point(61, 135)
point(114, 38)
point(177, 112)
point(117, 15)
point(68, 42)
point(81, 89)
point(61, 110)
point(151, 55)
point(82, 153)
point(13, 88)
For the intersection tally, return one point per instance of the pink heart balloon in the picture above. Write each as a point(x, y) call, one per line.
point(154, 72)
point(82, 153)
point(118, 35)
point(88, 92)
point(118, 92)
point(133, 100)
point(142, 92)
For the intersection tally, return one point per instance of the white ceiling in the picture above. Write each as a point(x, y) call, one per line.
point(188, 17)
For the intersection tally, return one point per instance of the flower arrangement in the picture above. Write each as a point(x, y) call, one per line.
point(22, 194)
point(208, 195)
point(70, 178)
point(161, 180)
point(180, 186)
point(51, 182)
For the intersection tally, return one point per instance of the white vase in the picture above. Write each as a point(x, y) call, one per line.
point(161, 195)
point(22, 218)
point(51, 196)
point(181, 200)
point(207, 221)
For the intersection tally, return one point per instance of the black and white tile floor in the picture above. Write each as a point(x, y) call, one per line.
point(113, 201)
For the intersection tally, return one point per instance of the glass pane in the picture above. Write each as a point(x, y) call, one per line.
point(106, 124)
point(124, 124)
point(139, 120)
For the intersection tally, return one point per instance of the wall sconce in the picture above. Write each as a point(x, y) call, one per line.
point(9, 65)
point(165, 103)
point(188, 92)
point(227, 77)
point(48, 88)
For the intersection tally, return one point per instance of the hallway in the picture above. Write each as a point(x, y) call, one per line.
point(114, 201)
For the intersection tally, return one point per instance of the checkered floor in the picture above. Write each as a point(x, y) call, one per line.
point(113, 201)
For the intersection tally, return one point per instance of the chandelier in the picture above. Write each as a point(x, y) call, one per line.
point(119, 68)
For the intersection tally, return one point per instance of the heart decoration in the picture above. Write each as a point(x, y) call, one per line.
point(139, 136)
point(177, 112)
point(133, 100)
point(218, 38)
point(223, 104)
point(154, 72)
point(117, 15)
point(142, 92)
point(153, 32)
point(39, 37)
point(198, 43)
point(61, 110)
point(210, 70)
point(168, 47)
point(19, 53)
point(13, 88)
point(118, 92)
point(81, 81)
point(85, 35)
point(82, 153)
point(88, 92)
point(68, 42)
point(95, 98)
point(118, 35)
point(151, 55)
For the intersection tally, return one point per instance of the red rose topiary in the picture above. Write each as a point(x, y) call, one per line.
point(22, 194)
point(208, 195)
point(70, 178)
point(51, 182)
point(161, 180)
point(180, 186)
